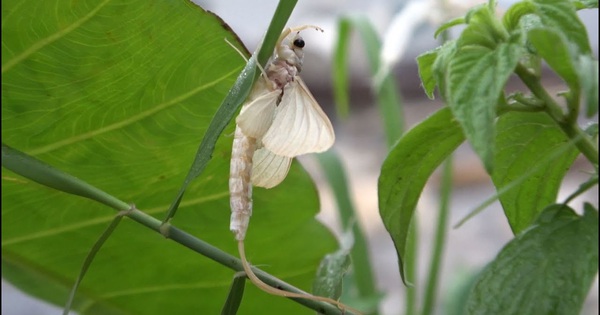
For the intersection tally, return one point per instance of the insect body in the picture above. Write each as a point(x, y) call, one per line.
point(280, 120)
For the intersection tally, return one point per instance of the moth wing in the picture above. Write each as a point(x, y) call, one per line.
point(300, 125)
point(269, 169)
point(256, 116)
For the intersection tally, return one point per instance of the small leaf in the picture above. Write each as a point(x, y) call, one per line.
point(235, 295)
point(522, 143)
point(406, 170)
point(425, 62)
point(513, 15)
point(476, 79)
point(553, 263)
point(331, 271)
point(440, 66)
point(449, 24)
point(483, 28)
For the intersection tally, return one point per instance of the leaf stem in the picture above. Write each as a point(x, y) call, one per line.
point(565, 122)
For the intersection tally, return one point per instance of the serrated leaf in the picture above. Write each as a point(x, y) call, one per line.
point(522, 143)
point(406, 170)
point(119, 94)
point(561, 16)
point(553, 264)
point(476, 79)
point(425, 62)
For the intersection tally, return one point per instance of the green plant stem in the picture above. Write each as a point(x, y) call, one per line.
point(440, 239)
point(410, 269)
point(583, 142)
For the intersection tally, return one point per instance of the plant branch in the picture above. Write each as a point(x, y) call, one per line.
point(568, 126)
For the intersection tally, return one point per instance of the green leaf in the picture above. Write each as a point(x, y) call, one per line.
point(448, 25)
point(236, 293)
point(561, 16)
point(483, 28)
point(120, 95)
point(476, 79)
point(553, 263)
point(553, 47)
point(333, 267)
point(513, 15)
point(440, 66)
point(425, 62)
point(340, 69)
point(406, 170)
point(523, 142)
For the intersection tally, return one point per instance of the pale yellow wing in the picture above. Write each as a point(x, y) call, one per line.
point(300, 125)
point(256, 116)
point(269, 169)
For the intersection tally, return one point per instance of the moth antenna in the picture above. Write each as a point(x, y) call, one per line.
point(274, 291)
point(262, 70)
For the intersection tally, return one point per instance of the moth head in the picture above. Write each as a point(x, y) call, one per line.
point(290, 50)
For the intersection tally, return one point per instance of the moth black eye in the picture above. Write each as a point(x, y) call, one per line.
point(299, 42)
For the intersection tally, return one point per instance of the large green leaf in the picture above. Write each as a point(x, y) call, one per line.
point(120, 94)
point(527, 145)
point(406, 170)
point(547, 269)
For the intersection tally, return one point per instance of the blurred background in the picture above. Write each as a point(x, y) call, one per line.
point(361, 144)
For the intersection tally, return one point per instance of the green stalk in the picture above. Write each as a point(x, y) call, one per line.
point(440, 238)
point(583, 142)
point(410, 267)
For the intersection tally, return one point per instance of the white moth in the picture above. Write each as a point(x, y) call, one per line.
point(279, 121)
